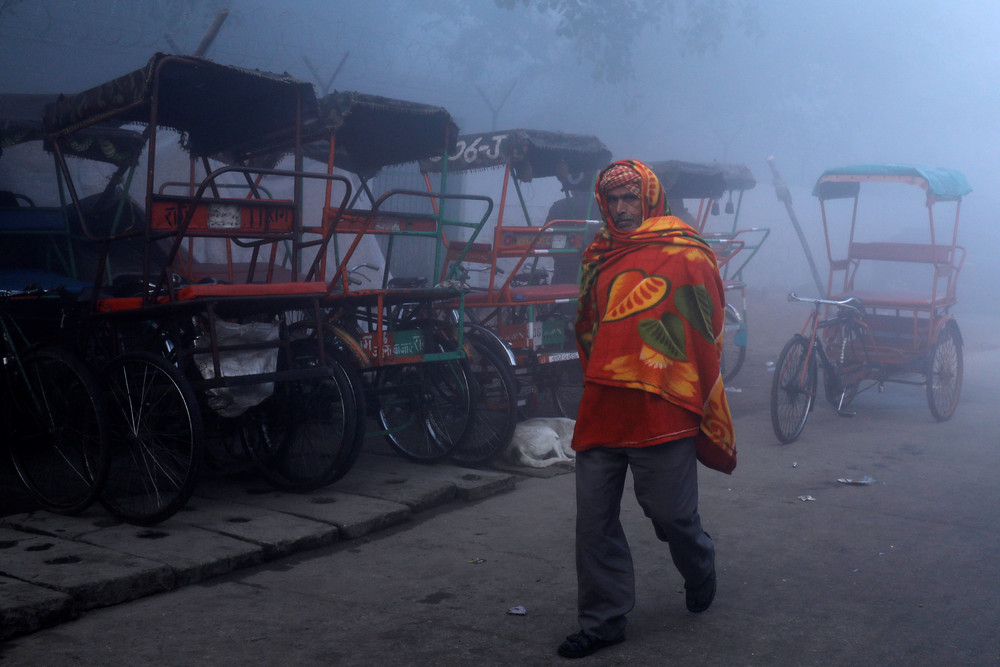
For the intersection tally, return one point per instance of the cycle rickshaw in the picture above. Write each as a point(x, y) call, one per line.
point(709, 183)
point(886, 316)
point(189, 348)
point(520, 316)
point(399, 328)
point(55, 422)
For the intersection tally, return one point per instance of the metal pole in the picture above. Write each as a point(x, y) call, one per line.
point(786, 198)
point(209, 37)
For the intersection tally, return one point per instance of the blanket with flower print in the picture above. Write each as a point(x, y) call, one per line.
point(650, 317)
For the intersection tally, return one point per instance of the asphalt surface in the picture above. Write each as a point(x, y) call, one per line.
point(402, 564)
point(54, 568)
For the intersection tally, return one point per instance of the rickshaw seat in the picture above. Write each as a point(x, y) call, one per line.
point(897, 299)
point(940, 257)
point(925, 253)
point(197, 271)
point(19, 279)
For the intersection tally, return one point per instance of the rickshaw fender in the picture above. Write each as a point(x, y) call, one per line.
point(944, 323)
point(351, 345)
point(480, 334)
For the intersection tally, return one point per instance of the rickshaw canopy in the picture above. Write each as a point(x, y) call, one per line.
point(701, 180)
point(21, 122)
point(220, 109)
point(530, 154)
point(941, 184)
point(371, 132)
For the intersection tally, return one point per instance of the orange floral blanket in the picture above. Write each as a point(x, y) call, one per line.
point(650, 317)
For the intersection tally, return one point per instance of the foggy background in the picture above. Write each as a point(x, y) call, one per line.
point(815, 84)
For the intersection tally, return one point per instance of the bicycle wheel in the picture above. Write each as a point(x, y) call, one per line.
point(426, 408)
point(734, 344)
point(944, 373)
point(494, 395)
point(59, 429)
point(309, 433)
point(156, 438)
point(565, 384)
point(838, 390)
point(793, 389)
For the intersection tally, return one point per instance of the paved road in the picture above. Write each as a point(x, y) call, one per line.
point(905, 570)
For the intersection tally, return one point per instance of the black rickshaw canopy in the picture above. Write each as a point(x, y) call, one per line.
point(21, 122)
point(701, 180)
point(220, 109)
point(370, 132)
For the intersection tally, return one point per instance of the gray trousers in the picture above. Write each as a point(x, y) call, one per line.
point(666, 486)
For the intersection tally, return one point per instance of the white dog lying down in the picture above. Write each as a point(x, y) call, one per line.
point(541, 442)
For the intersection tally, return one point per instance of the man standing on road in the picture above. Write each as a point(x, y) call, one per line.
point(649, 330)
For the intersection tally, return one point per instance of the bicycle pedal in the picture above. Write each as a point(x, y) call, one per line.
point(847, 413)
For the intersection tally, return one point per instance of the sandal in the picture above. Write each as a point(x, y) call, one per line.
point(581, 645)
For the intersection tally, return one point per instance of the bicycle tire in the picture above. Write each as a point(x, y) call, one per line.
point(308, 434)
point(494, 394)
point(157, 441)
point(944, 372)
point(837, 392)
point(793, 389)
point(59, 431)
point(734, 344)
point(425, 408)
point(567, 390)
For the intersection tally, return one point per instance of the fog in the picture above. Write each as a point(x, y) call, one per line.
point(816, 85)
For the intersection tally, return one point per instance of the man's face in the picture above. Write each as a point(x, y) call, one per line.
point(625, 208)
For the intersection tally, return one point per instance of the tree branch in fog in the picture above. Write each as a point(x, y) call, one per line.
point(604, 32)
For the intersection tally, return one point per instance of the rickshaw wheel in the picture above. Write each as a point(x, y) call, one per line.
point(59, 441)
point(565, 386)
point(156, 438)
point(944, 373)
point(426, 408)
point(734, 344)
point(793, 389)
point(494, 394)
point(833, 390)
point(309, 433)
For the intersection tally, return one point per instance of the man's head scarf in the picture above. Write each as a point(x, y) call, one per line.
point(621, 176)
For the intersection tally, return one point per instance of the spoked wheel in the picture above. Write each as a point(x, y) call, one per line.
point(793, 389)
point(59, 431)
point(494, 395)
point(838, 394)
point(734, 344)
point(156, 438)
point(839, 386)
point(562, 384)
point(426, 408)
point(309, 433)
point(944, 373)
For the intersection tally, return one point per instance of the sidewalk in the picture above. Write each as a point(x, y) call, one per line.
point(55, 568)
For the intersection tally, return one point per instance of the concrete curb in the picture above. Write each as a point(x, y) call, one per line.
point(55, 568)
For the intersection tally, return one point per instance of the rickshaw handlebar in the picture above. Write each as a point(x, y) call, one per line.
point(850, 302)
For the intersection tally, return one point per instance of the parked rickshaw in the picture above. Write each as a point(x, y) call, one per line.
point(734, 245)
point(886, 316)
point(399, 327)
point(184, 353)
point(54, 423)
point(520, 314)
